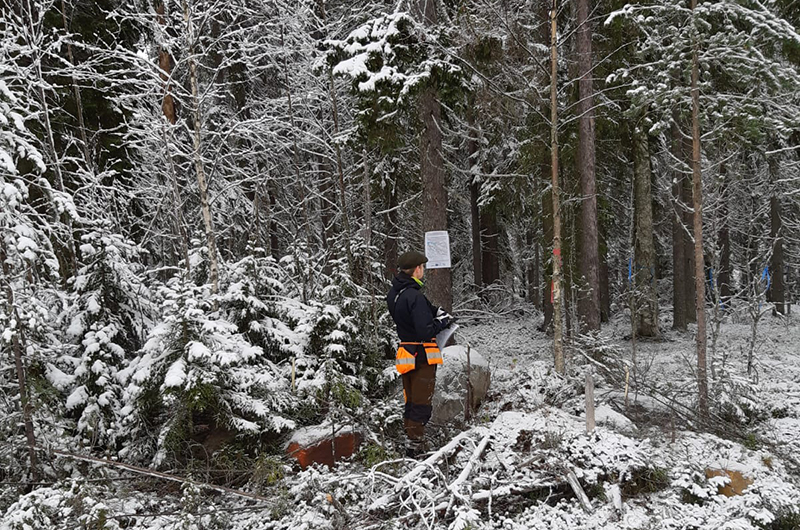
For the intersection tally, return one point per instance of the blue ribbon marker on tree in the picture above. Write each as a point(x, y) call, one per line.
point(630, 270)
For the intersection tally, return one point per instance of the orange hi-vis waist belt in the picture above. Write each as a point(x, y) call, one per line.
point(405, 361)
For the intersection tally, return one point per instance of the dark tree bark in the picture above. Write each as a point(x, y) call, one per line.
point(532, 268)
point(547, 269)
point(589, 262)
point(390, 243)
point(688, 244)
point(165, 65)
point(644, 270)
point(16, 346)
point(434, 192)
point(348, 233)
point(679, 278)
point(477, 252)
point(777, 290)
point(724, 273)
point(76, 92)
point(605, 288)
point(474, 196)
point(274, 242)
point(558, 345)
point(490, 242)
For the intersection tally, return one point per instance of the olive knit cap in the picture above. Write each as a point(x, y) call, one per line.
point(410, 260)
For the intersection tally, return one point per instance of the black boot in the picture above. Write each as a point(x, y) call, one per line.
point(416, 448)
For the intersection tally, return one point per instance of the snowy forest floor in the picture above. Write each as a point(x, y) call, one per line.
point(649, 465)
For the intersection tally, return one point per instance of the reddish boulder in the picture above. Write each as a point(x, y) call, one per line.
point(315, 445)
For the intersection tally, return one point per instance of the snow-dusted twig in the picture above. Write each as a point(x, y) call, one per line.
point(578, 490)
point(455, 487)
point(428, 462)
point(476, 454)
point(158, 474)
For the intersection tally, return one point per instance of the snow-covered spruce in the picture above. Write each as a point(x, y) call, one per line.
point(196, 371)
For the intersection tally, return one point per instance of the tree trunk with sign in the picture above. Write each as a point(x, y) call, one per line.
point(439, 284)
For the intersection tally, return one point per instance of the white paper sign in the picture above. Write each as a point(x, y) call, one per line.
point(437, 249)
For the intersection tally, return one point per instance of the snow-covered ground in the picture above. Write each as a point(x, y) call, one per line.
point(649, 465)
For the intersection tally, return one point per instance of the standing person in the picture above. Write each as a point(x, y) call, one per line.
point(418, 322)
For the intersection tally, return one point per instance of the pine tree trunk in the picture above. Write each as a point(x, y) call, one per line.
point(777, 294)
point(558, 345)
point(697, 195)
point(439, 284)
point(205, 207)
point(165, 66)
point(679, 278)
point(434, 193)
point(644, 268)
point(589, 262)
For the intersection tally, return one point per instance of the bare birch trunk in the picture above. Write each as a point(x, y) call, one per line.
point(205, 207)
point(589, 262)
point(558, 346)
point(697, 195)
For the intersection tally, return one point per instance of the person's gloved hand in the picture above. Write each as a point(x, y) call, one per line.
point(444, 318)
point(444, 321)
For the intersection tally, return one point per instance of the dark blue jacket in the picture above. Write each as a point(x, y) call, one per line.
point(413, 314)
